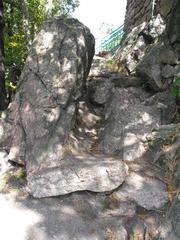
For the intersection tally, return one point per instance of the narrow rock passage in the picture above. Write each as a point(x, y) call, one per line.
point(114, 188)
point(100, 149)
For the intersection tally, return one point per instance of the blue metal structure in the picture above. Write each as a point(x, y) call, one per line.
point(111, 42)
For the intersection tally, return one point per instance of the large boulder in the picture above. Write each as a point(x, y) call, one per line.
point(51, 83)
point(43, 111)
point(130, 117)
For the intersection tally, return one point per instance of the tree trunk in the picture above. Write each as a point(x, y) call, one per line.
point(3, 100)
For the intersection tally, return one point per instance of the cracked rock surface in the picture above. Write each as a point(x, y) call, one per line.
point(84, 172)
point(96, 150)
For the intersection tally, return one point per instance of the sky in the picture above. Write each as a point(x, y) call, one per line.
point(95, 12)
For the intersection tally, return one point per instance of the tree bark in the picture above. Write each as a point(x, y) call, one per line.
point(3, 100)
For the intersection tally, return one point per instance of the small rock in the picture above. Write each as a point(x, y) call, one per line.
point(100, 90)
point(116, 232)
point(5, 134)
point(170, 228)
point(137, 228)
point(154, 28)
point(4, 166)
point(150, 68)
point(114, 207)
point(133, 49)
point(85, 116)
point(177, 70)
point(168, 71)
point(98, 66)
point(168, 56)
point(127, 81)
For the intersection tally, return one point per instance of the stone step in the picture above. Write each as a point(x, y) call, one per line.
point(97, 173)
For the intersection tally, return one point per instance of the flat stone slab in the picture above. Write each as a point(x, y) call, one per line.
point(83, 172)
point(145, 191)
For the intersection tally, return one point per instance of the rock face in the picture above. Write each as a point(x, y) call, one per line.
point(137, 42)
point(139, 11)
point(74, 217)
point(173, 28)
point(85, 172)
point(151, 48)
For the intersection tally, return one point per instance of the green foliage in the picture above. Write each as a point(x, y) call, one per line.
point(12, 179)
point(114, 65)
point(175, 90)
point(21, 174)
point(16, 50)
point(4, 179)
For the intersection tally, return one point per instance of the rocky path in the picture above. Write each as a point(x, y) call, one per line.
point(115, 187)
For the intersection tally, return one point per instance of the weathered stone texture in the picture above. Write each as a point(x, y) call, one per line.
point(85, 172)
point(141, 11)
point(173, 27)
point(148, 193)
point(130, 116)
point(52, 80)
point(43, 112)
point(150, 47)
